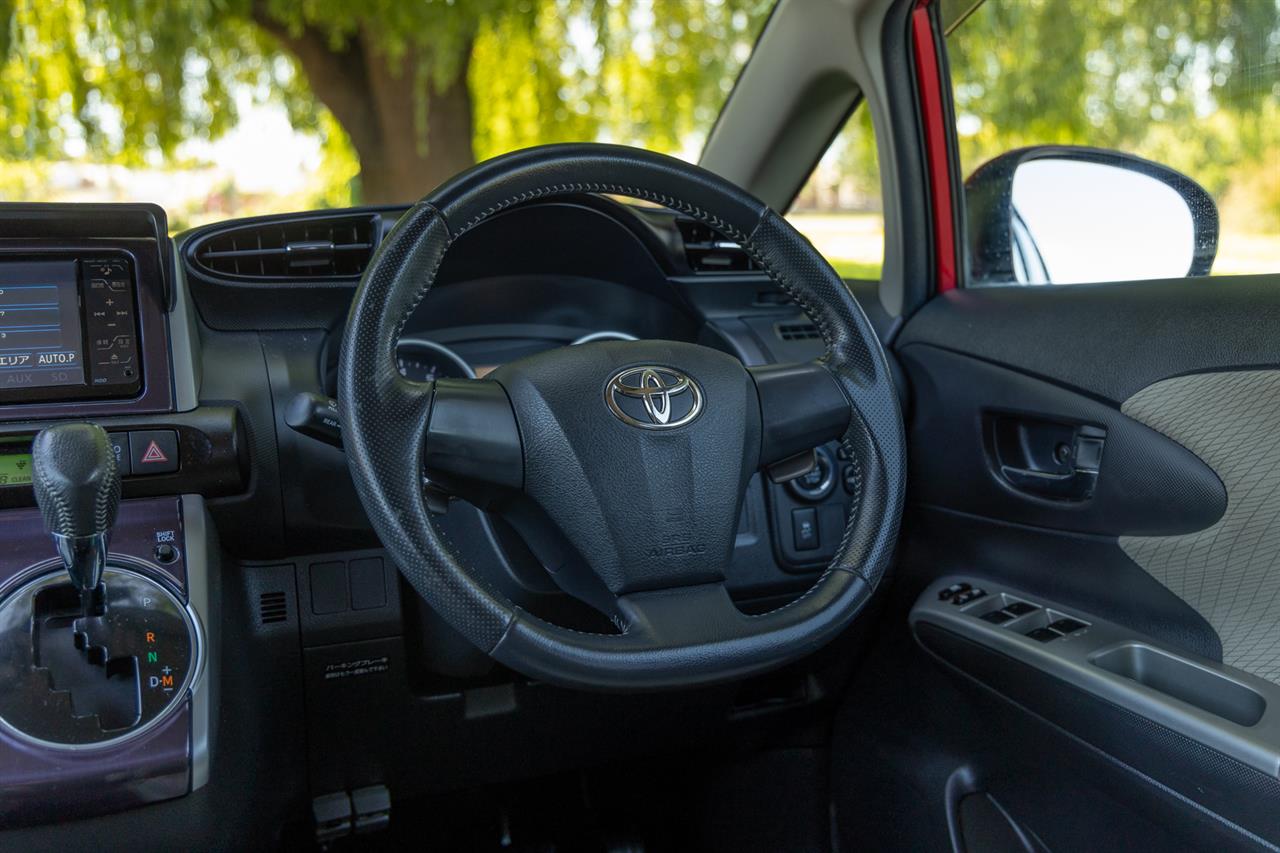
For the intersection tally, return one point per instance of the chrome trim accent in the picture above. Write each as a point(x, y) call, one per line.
point(184, 341)
point(204, 689)
point(84, 557)
point(122, 563)
point(605, 335)
point(655, 392)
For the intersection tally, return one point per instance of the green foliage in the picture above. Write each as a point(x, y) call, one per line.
point(130, 80)
point(653, 74)
point(1189, 83)
point(123, 80)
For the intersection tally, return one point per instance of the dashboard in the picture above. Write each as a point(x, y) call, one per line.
point(210, 359)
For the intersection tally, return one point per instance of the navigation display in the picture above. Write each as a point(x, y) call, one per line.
point(41, 340)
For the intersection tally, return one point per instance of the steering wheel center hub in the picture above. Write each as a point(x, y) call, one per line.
point(653, 506)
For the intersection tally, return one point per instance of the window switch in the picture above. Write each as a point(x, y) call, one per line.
point(1043, 635)
point(952, 591)
point(996, 617)
point(1067, 625)
point(1021, 608)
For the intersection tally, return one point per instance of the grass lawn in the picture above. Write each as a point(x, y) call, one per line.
point(853, 243)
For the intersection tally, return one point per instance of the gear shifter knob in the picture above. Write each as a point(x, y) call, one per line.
point(77, 486)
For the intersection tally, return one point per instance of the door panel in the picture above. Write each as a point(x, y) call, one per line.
point(1175, 544)
point(1189, 484)
point(1147, 484)
point(1110, 340)
point(1229, 572)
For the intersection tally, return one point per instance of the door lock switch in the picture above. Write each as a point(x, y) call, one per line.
point(967, 596)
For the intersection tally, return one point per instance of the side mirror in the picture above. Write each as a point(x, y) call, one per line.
point(1056, 214)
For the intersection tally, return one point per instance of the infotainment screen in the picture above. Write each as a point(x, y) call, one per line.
point(68, 327)
point(41, 339)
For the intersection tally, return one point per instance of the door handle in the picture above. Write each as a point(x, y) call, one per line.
point(1051, 459)
point(1074, 485)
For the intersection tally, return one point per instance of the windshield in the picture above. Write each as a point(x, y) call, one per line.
point(241, 107)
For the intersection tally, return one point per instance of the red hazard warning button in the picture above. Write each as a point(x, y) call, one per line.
point(154, 451)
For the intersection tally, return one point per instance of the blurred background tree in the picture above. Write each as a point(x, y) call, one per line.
point(1188, 83)
point(419, 89)
point(401, 94)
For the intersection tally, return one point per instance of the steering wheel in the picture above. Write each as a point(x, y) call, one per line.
point(639, 452)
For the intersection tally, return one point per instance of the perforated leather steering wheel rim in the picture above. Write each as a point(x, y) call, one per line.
point(670, 638)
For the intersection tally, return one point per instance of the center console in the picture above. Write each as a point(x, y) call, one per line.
point(107, 669)
point(109, 709)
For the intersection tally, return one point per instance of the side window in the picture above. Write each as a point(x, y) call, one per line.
point(1120, 140)
point(839, 209)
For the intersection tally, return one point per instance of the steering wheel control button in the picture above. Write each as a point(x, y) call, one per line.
point(804, 528)
point(153, 451)
point(818, 483)
point(849, 475)
point(1043, 635)
point(653, 397)
point(953, 590)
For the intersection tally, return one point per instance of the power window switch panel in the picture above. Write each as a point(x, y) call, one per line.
point(1043, 635)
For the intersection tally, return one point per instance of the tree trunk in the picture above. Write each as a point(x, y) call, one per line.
point(404, 165)
point(379, 109)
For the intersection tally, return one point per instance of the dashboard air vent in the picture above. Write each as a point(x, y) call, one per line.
point(707, 251)
point(273, 607)
point(307, 248)
point(797, 331)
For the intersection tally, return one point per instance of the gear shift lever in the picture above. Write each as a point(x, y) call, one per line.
point(77, 486)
